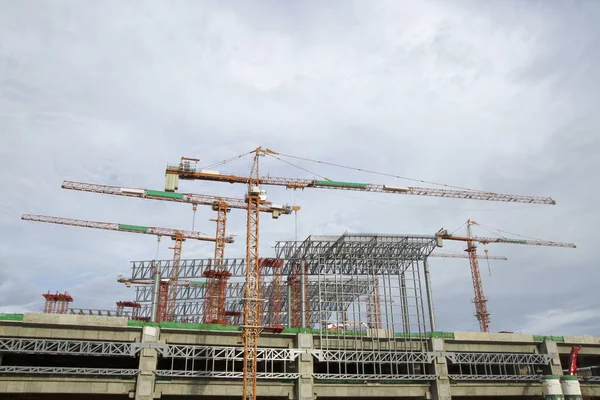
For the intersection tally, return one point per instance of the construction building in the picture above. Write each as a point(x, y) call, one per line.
point(347, 316)
point(50, 356)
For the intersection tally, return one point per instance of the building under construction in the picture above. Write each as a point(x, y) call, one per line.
point(347, 316)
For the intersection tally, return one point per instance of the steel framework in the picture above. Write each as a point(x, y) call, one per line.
point(73, 347)
point(279, 363)
point(12, 369)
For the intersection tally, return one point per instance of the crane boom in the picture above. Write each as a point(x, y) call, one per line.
point(191, 198)
point(451, 255)
point(487, 240)
point(295, 183)
point(122, 227)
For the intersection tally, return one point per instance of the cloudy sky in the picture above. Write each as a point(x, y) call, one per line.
point(498, 95)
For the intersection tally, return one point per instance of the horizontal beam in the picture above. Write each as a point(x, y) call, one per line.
point(424, 377)
point(6, 369)
point(71, 347)
point(499, 358)
point(225, 374)
point(457, 377)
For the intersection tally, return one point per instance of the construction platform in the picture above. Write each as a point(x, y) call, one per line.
point(53, 356)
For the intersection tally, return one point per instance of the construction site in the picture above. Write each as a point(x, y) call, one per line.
point(345, 315)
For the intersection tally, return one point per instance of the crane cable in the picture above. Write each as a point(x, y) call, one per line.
point(218, 163)
point(510, 233)
point(383, 173)
point(299, 167)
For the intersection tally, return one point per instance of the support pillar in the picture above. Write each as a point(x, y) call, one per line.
point(144, 387)
point(289, 304)
point(551, 348)
point(440, 388)
point(429, 295)
point(305, 383)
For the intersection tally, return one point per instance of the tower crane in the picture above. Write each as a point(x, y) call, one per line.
point(255, 196)
point(166, 303)
point(214, 308)
point(480, 301)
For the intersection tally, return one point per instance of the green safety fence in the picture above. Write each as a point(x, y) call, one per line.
point(542, 338)
point(11, 317)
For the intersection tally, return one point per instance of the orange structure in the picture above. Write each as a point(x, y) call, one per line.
point(134, 305)
point(57, 303)
point(274, 320)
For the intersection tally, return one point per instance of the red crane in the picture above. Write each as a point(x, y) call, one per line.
point(167, 300)
point(573, 360)
point(480, 301)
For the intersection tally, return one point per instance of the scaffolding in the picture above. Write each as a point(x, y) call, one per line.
point(57, 303)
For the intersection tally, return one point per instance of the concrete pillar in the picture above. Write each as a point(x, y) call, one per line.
point(551, 348)
point(305, 384)
point(440, 388)
point(144, 387)
point(551, 387)
point(570, 387)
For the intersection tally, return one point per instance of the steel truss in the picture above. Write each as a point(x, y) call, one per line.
point(228, 353)
point(188, 269)
point(374, 356)
point(235, 290)
point(71, 347)
point(356, 254)
point(457, 377)
point(592, 379)
point(225, 374)
point(499, 358)
point(6, 369)
point(368, 377)
point(99, 313)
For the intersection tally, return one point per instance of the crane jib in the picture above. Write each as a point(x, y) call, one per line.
point(294, 183)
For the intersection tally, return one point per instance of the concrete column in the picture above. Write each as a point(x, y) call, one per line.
point(305, 384)
point(551, 348)
point(570, 387)
point(144, 387)
point(440, 388)
point(429, 295)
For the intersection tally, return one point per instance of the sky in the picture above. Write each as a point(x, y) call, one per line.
point(491, 95)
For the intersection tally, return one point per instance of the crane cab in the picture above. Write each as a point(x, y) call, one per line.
point(256, 191)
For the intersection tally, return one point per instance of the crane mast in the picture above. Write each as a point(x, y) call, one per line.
point(481, 311)
point(251, 328)
point(214, 306)
point(173, 279)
